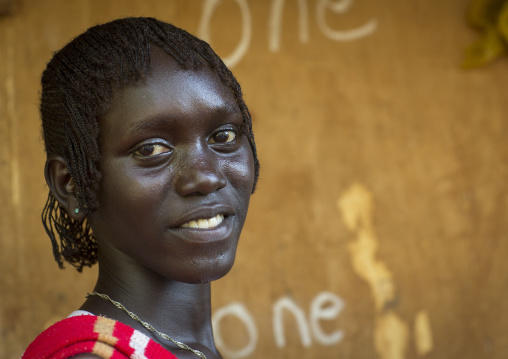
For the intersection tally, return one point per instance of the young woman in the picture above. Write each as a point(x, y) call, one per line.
point(151, 162)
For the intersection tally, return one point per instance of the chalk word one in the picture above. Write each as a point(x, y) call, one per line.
point(275, 19)
point(325, 306)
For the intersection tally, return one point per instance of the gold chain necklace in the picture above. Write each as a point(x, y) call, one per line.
point(148, 325)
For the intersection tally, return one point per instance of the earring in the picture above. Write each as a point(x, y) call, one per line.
point(76, 210)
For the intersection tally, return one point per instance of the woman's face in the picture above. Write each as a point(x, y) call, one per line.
point(177, 174)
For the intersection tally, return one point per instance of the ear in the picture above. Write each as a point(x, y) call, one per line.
point(62, 186)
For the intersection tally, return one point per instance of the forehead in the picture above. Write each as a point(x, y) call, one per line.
point(169, 91)
point(168, 77)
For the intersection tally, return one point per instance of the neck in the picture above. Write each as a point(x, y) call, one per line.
point(181, 310)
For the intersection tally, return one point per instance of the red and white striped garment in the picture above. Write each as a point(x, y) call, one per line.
point(101, 336)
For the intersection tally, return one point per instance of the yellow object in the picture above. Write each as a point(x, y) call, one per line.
point(491, 17)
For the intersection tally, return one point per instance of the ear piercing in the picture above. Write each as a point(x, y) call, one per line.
point(76, 210)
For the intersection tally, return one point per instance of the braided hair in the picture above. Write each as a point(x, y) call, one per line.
point(77, 86)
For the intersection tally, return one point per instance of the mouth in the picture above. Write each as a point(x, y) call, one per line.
point(204, 223)
point(206, 230)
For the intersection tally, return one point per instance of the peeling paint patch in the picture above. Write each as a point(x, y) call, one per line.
point(390, 336)
point(423, 333)
point(390, 332)
point(10, 94)
point(15, 179)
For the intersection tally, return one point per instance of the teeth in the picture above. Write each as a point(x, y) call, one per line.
point(205, 223)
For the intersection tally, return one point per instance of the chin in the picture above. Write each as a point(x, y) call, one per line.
point(209, 272)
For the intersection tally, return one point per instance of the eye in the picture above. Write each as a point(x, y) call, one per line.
point(225, 136)
point(150, 150)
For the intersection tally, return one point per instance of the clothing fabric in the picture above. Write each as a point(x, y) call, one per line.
point(87, 333)
point(79, 312)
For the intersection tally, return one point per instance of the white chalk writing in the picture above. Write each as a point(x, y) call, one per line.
point(275, 23)
point(325, 306)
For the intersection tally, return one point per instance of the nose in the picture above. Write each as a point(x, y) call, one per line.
point(199, 173)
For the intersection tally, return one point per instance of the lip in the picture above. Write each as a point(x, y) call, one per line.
point(203, 212)
point(205, 235)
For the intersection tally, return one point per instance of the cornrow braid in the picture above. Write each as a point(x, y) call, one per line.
point(77, 87)
point(77, 244)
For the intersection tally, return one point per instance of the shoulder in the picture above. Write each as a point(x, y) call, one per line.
point(69, 337)
point(77, 337)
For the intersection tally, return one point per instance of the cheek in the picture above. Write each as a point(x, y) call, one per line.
point(128, 191)
point(240, 170)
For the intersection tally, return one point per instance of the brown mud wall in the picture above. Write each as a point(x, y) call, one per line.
point(379, 227)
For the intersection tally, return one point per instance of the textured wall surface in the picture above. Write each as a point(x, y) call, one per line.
point(379, 227)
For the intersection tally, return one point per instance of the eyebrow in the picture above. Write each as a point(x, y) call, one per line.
point(162, 119)
point(148, 123)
